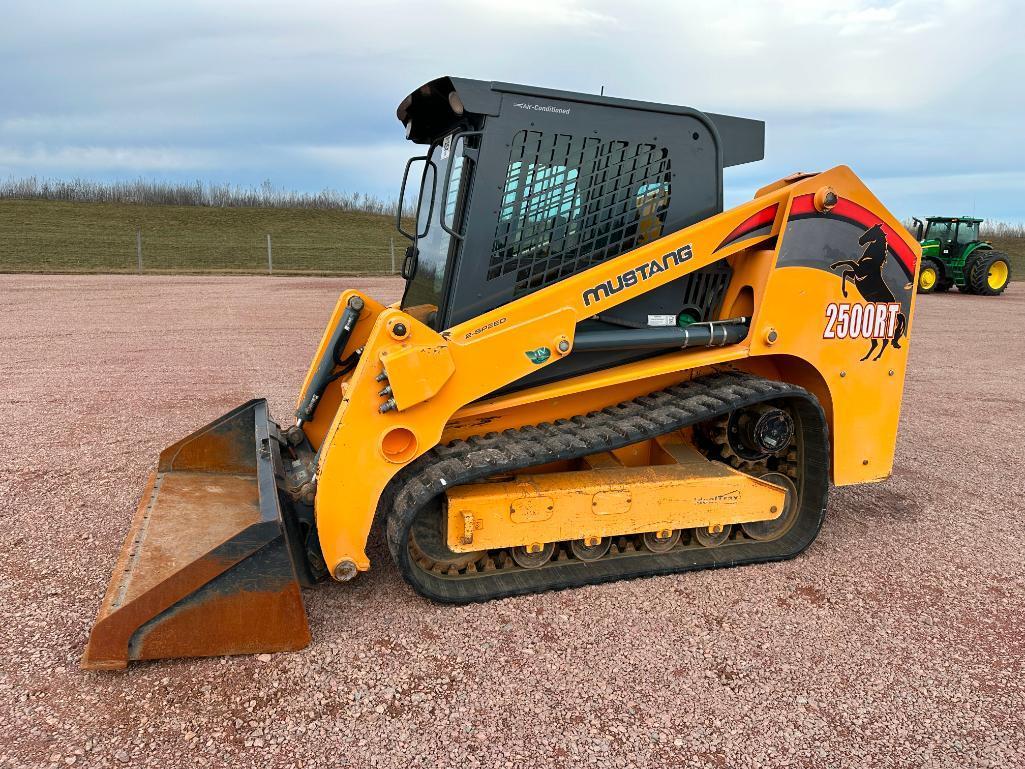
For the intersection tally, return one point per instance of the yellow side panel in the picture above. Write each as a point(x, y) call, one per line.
point(819, 282)
point(866, 394)
point(606, 501)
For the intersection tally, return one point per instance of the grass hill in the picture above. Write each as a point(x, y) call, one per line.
point(59, 236)
point(44, 235)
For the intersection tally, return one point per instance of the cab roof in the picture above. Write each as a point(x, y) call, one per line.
point(954, 219)
point(429, 110)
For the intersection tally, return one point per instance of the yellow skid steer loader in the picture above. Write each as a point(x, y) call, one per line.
point(595, 373)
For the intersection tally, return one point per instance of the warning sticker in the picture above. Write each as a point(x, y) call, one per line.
point(661, 320)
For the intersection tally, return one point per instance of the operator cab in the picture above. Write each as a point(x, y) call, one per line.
point(519, 187)
point(951, 231)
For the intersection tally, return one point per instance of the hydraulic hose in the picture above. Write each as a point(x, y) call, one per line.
point(331, 358)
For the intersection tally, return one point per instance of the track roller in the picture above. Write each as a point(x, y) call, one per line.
point(533, 556)
point(661, 541)
point(590, 548)
point(706, 537)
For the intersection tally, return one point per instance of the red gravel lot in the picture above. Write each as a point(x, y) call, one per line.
point(896, 640)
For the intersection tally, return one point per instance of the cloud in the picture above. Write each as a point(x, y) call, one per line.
point(77, 159)
point(1009, 182)
point(572, 16)
point(73, 126)
point(380, 164)
point(305, 93)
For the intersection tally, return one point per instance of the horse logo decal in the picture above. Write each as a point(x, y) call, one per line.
point(881, 319)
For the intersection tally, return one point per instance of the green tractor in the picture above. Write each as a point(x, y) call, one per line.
point(953, 255)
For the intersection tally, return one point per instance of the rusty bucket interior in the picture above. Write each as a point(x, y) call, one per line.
point(206, 568)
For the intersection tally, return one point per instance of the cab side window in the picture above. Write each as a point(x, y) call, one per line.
point(571, 202)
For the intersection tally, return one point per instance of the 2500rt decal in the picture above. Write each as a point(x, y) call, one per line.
point(866, 275)
point(855, 320)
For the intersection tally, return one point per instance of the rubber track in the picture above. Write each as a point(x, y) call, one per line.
point(643, 418)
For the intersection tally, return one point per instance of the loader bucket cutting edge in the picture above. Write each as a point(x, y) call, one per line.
point(206, 568)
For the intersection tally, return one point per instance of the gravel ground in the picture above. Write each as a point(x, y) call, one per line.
point(896, 640)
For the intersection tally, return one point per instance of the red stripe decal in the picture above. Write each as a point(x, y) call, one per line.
point(803, 204)
point(763, 218)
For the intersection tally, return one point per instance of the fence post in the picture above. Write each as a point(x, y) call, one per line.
point(392, 242)
point(270, 257)
point(138, 249)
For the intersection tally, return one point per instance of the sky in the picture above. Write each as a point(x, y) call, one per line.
point(924, 100)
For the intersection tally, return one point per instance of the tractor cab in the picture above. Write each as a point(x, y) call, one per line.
point(954, 255)
point(951, 234)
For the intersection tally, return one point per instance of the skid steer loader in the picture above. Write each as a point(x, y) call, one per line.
point(594, 374)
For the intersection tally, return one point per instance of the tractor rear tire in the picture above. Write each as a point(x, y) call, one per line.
point(989, 274)
point(929, 276)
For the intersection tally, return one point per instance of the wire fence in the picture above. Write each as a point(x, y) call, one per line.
point(140, 252)
point(60, 236)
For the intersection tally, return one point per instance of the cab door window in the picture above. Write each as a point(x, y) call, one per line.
point(967, 232)
point(434, 248)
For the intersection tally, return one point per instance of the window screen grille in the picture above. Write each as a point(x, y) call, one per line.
point(570, 203)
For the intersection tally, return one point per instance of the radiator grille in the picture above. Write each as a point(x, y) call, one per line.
point(570, 203)
point(704, 289)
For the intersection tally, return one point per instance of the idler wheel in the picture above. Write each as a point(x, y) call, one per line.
point(427, 537)
point(765, 531)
